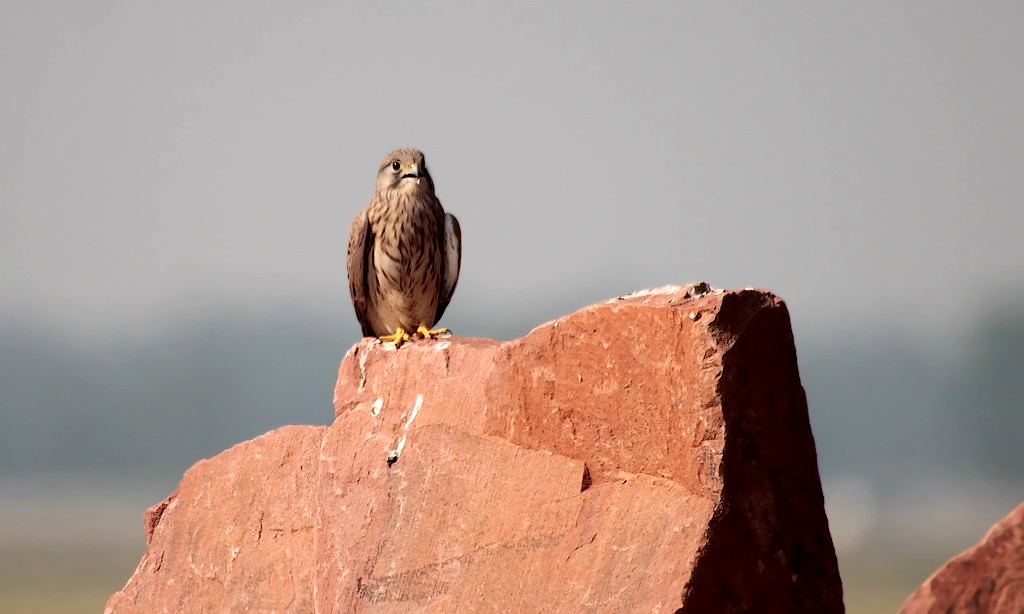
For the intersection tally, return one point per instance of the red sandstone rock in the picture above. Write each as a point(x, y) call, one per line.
point(649, 453)
point(988, 577)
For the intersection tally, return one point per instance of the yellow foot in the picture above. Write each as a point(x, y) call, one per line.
point(428, 334)
point(398, 338)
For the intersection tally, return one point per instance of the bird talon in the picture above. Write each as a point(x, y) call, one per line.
point(426, 333)
point(398, 338)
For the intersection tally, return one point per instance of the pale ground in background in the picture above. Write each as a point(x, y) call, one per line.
point(70, 552)
point(68, 547)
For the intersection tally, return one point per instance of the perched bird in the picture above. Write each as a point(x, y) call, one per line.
point(404, 253)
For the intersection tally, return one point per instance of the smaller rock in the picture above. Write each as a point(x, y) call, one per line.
point(988, 577)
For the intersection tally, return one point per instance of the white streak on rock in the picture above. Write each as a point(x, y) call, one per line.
point(415, 410)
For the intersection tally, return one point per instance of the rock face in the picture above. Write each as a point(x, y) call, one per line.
point(988, 577)
point(647, 454)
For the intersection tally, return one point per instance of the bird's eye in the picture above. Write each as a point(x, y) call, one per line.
point(395, 165)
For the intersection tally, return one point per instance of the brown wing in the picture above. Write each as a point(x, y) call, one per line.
point(452, 262)
point(360, 262)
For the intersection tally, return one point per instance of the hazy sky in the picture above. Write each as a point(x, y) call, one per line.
point(864, 161)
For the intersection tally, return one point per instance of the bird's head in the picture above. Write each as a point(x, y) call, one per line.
point(404, 169)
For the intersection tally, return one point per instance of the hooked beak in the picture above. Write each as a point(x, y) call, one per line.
point(412, 171)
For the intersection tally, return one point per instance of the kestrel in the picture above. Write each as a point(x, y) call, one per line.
point(404, 253)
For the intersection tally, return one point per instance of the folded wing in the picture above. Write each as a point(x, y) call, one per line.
point(360, 260)
point(452, 262)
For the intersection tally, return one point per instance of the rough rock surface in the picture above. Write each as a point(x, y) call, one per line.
point(988, 577)
point(651, 453)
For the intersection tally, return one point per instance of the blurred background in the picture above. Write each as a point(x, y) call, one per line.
point(177, 181)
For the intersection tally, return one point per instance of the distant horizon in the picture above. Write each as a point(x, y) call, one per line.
point(213, 377)
point(954, 323)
